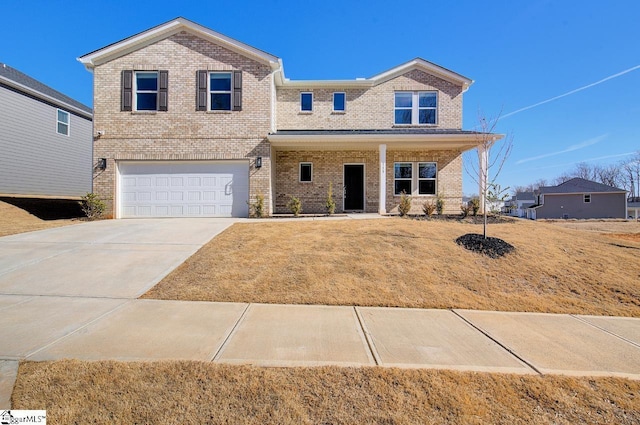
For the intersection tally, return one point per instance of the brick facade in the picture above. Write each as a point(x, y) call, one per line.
point(328, 168)
point(371, 108)
point(182, 133)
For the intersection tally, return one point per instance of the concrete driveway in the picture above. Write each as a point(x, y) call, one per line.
point(104, 259)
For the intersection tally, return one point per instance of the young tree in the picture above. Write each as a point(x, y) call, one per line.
point(493, 151)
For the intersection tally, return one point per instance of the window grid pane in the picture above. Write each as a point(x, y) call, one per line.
point(402, 185)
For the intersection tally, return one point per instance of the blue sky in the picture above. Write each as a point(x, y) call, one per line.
point(520, 54)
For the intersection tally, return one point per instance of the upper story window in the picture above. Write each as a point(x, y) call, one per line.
point(417, 108)
point(306, 102)
point(146, 98)
point(339, 101)
point(220, 91)
point(587, 198)
point(62, 122)
point(144, 90)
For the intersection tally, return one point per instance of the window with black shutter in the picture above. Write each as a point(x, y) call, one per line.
point(218, 91)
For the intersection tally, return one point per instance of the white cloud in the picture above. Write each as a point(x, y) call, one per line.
point(571, 148)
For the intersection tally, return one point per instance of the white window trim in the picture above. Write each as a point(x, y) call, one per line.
point(310, 164)
point(415, 178)
point(334, 101)
point(210, 92)
point(415, 108)
point(435, 179)
point(411, 179)
point(136, 91)
point(584, 198)
point(68, 123)
point(304, 111)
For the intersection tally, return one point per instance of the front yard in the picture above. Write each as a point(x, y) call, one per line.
point(393, 262)
point(409, 263)
point(204, 393)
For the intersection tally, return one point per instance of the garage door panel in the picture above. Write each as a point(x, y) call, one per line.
point(184, 189)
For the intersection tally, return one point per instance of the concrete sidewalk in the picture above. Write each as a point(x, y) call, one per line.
point(52, 328)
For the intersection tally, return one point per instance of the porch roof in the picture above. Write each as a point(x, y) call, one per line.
point(402, 138)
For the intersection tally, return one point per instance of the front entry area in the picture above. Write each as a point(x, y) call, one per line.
point(353, 187)
point(183, 189)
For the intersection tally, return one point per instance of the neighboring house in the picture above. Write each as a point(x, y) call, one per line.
point(194, 123)
point(518, 204)
point(633, 208)
point(45, 140)
point(579, 198)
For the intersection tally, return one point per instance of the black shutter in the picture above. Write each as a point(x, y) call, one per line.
point(163, 90)
point(127, 90)
point(201, 94)
point(237, 90)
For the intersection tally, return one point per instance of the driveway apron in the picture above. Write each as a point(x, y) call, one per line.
point(106, 259)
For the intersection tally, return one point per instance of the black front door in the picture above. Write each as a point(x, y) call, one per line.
point(354, 187)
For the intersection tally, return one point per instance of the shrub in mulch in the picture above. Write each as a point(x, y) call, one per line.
point(491, 247)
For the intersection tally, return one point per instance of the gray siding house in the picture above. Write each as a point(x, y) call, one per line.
point(46, 140)
point(579, 198)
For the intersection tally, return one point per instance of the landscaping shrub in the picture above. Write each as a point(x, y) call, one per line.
point(428, 208)
point(474, 203)
point(295, 206)
point(330, 205)
point(440, 204)
point(257, 207)
point(405, 204)
point(92, 206)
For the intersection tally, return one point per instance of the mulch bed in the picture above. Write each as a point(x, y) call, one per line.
point(491, 247)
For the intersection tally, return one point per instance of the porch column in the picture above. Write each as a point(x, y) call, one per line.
point(382, 197)
point(483, 170)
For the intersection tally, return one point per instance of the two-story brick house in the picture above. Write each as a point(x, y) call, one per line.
point(194, 123)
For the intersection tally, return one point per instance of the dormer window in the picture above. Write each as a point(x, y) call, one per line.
point(415, 108)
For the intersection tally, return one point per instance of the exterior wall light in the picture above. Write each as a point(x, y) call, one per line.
point(259, 162)
point(102, 164)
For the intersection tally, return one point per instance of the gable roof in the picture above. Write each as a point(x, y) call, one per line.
point(524, 195)
point(21, 82)
point(162, 31)
point(578, 185)
point(417, 63)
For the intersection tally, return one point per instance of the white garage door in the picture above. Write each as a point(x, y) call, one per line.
point(184, 189)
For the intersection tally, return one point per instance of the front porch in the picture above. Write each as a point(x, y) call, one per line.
point(368, 169)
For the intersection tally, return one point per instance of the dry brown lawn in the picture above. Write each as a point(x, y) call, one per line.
point(75, 392)
point(410, 263)
point(14, 220)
